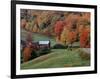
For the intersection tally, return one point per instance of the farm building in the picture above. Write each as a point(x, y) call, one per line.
point(44, 44)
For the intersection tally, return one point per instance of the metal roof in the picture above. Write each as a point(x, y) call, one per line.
point(44, 42)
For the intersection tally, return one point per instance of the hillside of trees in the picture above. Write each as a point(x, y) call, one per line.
point(65, 27)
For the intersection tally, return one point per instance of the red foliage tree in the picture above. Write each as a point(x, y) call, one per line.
point(85, 38)
point(58, 28)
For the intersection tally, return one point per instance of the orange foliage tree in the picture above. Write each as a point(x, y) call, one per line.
point(27, 53)
point(72, 35)
point(28, 49)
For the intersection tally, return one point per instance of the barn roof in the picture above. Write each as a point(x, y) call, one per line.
point(44, 42)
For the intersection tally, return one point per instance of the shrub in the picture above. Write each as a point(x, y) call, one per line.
point(43, 51)
point(84, 55)
point(21, 60)
point(21, 57)
point(33, 55)
point(59, 46)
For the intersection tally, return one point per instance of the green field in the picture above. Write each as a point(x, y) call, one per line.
point(56, 59)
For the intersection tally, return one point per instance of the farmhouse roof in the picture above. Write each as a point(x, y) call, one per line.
point(44, 42)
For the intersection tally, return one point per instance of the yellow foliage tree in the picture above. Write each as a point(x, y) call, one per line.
point(64, 36)
point(28, 26)
point(35, 29)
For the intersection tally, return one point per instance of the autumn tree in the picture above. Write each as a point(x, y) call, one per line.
point(70, 34)
point(58, 28)
point(64, 36)
point(35, 25)
point(72, 37)
point(84, 30)
point(23, 23)
point(86, 16)
point(85, 38)
point(28, 49)
point(28, 26)
point(27, 53)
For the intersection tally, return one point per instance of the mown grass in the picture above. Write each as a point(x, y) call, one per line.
point(56, 59)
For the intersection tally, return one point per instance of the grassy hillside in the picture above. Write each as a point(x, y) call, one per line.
point(58, 58)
